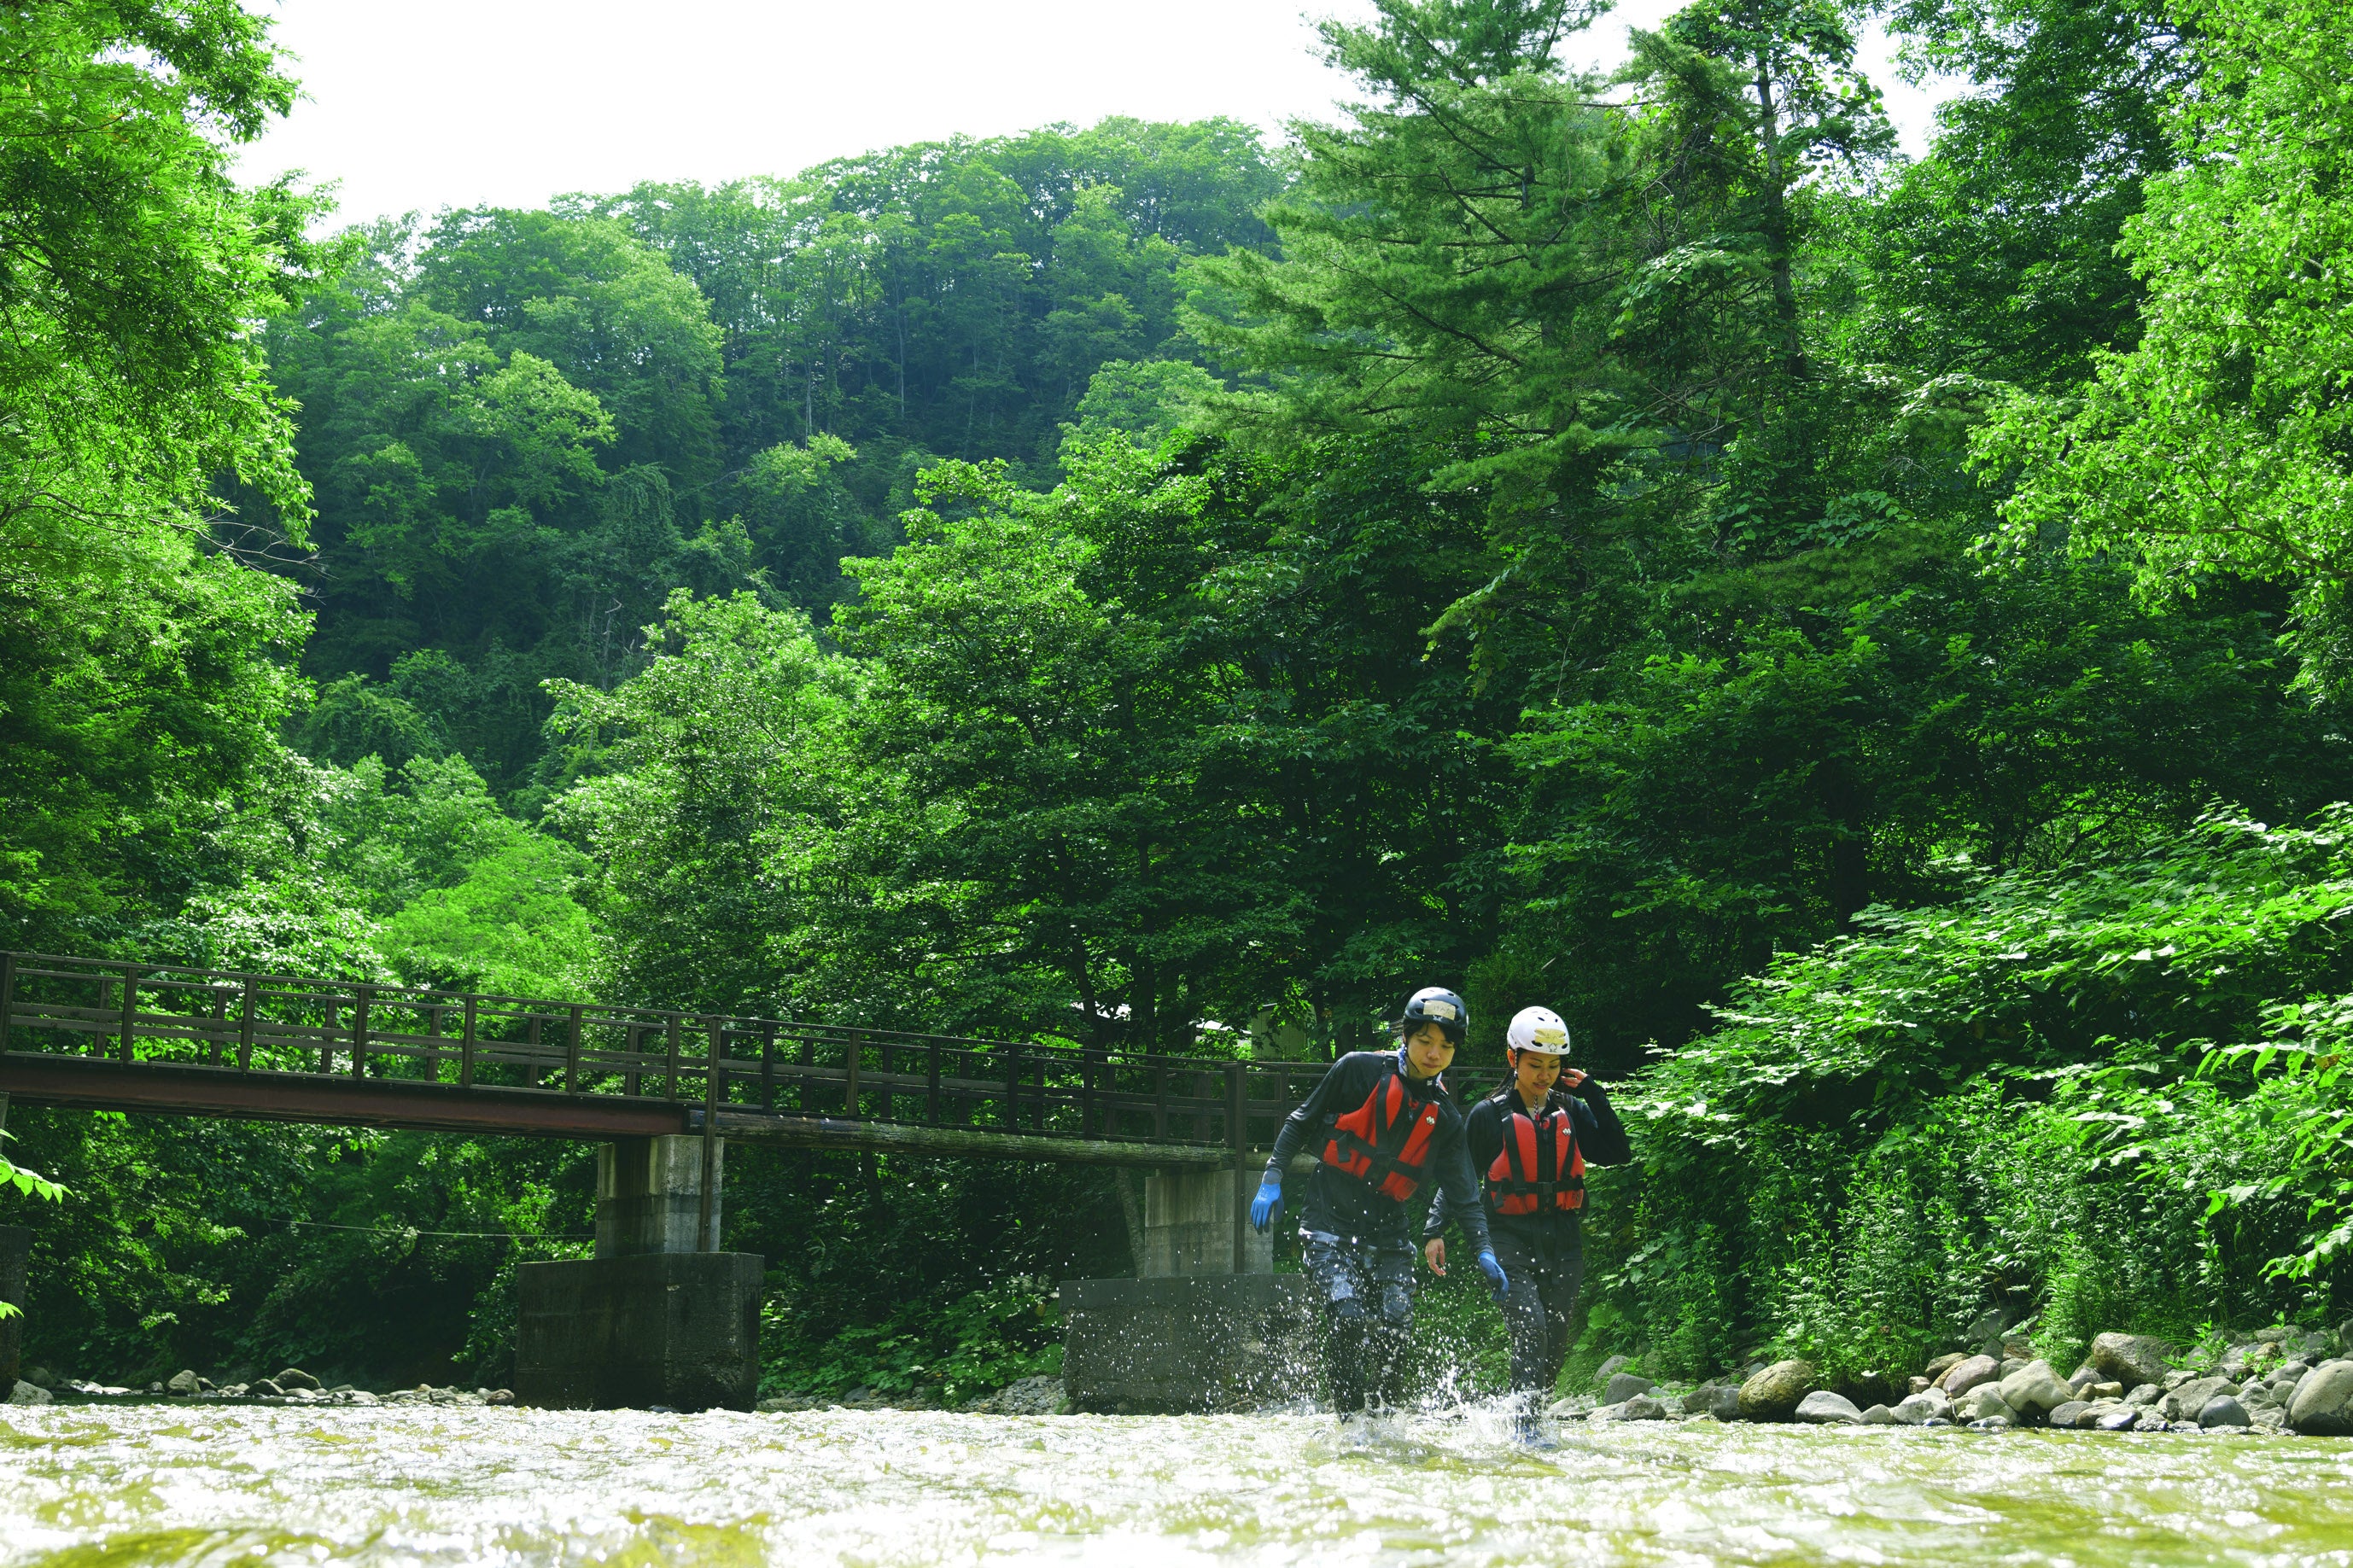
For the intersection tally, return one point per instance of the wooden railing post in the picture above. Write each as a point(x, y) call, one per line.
point(531, 1040)
point(245, 1022)
point(931, 1083)
point(572, 1054)
point(465, 1047)
point(768, 1069)
point(677, 1020)
point(220, 1022)
point(7, 997)
point(130, 1012)
point(1013, 1088)
point(850, 1094)
point(1088, 1056)
point(361, 997)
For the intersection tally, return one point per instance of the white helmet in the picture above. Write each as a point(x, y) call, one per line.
point(1538, 1029)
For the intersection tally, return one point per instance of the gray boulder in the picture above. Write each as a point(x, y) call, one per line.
point(1719, 1400)
point(1879, 1416)
point(2147, 1393)
point(2033, 1389)
point(1919, 1409)
point(1622, 1386)
point(2121, 1420)
point(2223, 1411)
point(2322, 1404)
point(1981, 1404)
point(1823, 1409)
point(1968, 1372)
point(294, 1377)
point(2066, 1414)
point(30, 1393)
point(1611, 1368)
point(185, 1385)
point(1993, 1423)
point(1773, 1393)
point(1642, 1407)
point(266, 1388)
point(2185, 1402)
point(1935, 1370)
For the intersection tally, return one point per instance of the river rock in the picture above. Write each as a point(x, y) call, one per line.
point(1942, 1364)
point(2223, 1411)
point(2146, 1393)
point(294, 1377)
point(2107, 1388)
point(1719, 1400)
point(2124, 1419)
point(184, 1384)
point(2033, 1389)
point(1980, 1403)
point(266, 1388)
point(1773, 1395)
point(1642, 1407)
point(1879, 1416)
point(1993, 1423)
point(1919, 1409)
point(23, 1392)
point(1611, 1368)
point(1968, 1372)
point(1823, 1409)
point(2184, 1403)
point(2066, 1414)
point(2323, 1404)
point(1622, 1386)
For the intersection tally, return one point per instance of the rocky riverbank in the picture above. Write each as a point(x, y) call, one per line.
point(2280, 1381)
point(290, 1387)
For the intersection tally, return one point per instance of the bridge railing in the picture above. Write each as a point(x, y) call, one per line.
point(232, 1022)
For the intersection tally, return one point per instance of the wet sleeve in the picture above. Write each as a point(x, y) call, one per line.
point(1293, 1135)
point(1601, 1136)
point(1459, 1187)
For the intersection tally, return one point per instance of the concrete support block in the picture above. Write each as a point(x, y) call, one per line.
point(1186, 1344)
point(15, 1247)
point(1191, 1219)
point(607, 1334)
point(649, 1195)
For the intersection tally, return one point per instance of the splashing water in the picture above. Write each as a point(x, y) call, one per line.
point(158, 1484)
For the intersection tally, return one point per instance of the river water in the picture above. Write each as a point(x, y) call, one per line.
point(223, 1484)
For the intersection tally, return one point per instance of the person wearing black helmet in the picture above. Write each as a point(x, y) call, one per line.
point(1385, 1131)
point(1529, 1143)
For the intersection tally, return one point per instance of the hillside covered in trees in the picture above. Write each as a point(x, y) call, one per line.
point(1862, 637)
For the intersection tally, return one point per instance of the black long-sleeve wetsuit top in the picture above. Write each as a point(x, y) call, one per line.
point(1600, 1138)
point(1340, 1204)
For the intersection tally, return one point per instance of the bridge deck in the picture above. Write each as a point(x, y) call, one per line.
point(109, 1034)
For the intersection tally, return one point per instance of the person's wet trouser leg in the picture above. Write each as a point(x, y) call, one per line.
point(1367, 1294)
point(1536, 1313)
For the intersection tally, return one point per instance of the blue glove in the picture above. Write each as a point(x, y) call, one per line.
point(1268, 1204)
point(1495, 1273)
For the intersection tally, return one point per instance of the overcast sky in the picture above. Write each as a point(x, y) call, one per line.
point(421, 104)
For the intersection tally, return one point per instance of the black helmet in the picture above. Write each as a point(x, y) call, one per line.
point(1436, 1005)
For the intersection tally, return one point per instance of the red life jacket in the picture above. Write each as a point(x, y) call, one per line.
point(1385, 1140)
point(1539, 1166)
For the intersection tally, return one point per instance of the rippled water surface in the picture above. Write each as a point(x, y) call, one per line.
point(224, 1486)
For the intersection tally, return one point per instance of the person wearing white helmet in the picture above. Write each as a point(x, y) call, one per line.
point(1529, 1143)
point(1384, 1129)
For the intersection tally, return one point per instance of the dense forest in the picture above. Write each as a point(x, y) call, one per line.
point(1866, 638)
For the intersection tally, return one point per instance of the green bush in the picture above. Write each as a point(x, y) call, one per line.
point(2101, 1095)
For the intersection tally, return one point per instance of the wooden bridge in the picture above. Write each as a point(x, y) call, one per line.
point(157, 1038)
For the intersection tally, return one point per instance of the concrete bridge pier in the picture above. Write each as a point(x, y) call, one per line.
point(658, 1315)
point(1210, 1325)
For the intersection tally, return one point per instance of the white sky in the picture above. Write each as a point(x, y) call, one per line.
point(420, 104)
